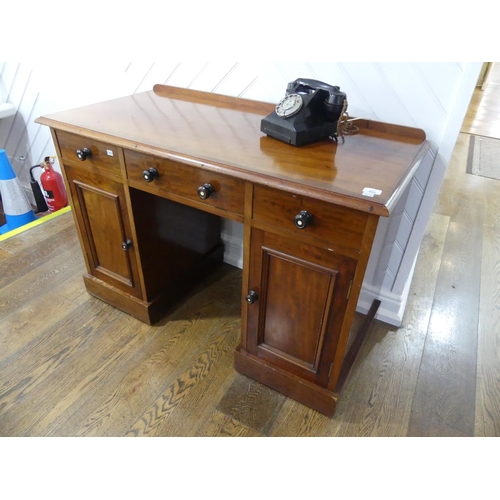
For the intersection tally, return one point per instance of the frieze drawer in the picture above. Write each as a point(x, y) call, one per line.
point(89, 152)
point(197, 184)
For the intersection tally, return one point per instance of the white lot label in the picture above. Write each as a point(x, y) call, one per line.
point(371, 192)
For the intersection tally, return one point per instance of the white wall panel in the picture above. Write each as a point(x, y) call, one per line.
point(16, 132)
point(156, 73)
point(23, 128)
point(384, 103)
point(239, 80)
point(337, 74)
point(135, 74)
point(212, 76)
point(419, 100)
point(186, 74)
point(443, 80)
point(8, 75)
point(294, 70)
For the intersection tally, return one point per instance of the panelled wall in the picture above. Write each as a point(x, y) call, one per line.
point(431, 96)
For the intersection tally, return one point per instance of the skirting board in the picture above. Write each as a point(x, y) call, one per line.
point(392, 305)
point(233, 250)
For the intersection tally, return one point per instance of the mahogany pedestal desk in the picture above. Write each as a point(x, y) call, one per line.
point(149, 177)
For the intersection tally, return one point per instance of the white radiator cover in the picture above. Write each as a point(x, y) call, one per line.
point(431, 96)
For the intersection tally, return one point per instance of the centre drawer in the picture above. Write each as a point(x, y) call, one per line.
point(218, 190)
point(326, 221)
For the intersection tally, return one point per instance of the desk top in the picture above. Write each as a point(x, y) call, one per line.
point(222, 133)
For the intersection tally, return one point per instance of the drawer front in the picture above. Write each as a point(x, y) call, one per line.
point(331, 223)
point(184, 180)
point(103, 156)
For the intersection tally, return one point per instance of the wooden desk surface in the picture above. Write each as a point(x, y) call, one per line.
point(223, 134)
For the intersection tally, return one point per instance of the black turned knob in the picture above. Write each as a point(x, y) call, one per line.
point(150, 174)
point(83, 154)
point(126, 244)
point(206, 191)
point(303, 219)
point(251, 297)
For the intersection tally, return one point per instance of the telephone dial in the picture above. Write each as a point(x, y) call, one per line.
point(309, 112)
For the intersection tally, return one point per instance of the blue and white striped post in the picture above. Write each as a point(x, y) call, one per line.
point(15, 203)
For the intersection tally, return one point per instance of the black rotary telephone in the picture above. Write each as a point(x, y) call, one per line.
point(309, 112)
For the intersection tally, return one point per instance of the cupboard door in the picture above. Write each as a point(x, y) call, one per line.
point(296, 311)
point(100, 208)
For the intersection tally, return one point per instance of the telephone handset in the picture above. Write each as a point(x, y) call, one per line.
point(309, 111)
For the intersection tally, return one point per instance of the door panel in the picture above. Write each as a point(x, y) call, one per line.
point(99, 205)
point(101, 212)
point(302, 295)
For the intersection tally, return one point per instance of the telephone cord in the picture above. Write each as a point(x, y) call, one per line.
point(344, 125)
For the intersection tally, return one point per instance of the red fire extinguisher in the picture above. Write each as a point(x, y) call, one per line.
point(53, 186)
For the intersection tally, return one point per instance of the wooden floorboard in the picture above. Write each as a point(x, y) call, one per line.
point(296, 420)
point(151, 361)
point(487, 417)
point(78, 345)
point(445, 392)
point(384, 379)
point(39, 236)
point(222, 425)
point(444, 402)
point(26, 325)
point(156, 417)
point(32, 285)
point(4, 254)
point(34, 256)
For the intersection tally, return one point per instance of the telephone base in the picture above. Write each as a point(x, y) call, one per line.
point(287, 131)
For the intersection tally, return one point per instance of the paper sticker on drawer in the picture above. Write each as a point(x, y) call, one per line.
point(371, 192)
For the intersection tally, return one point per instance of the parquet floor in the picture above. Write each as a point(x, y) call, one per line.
point(71, 365)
